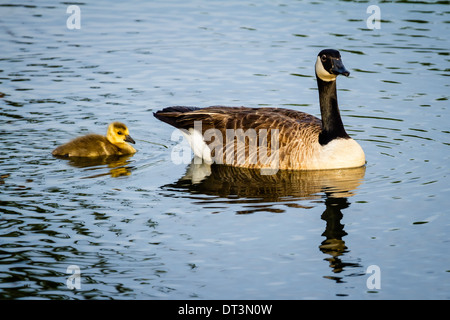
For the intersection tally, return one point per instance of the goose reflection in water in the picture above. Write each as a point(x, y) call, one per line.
point(241, 185)
point(116, 165)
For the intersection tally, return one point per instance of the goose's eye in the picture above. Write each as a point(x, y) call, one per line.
point(119, 133)
point(323, 58)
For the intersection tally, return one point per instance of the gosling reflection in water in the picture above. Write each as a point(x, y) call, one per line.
point(249, 186)
point(117, 166)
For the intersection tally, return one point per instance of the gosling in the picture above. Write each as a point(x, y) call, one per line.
point(95, 145)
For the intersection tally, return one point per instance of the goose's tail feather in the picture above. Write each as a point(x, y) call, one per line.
point(171, 115)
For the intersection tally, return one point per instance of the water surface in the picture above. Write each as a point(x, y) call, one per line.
point(144, 227)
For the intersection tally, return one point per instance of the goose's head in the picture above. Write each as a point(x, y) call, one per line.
point(329, 65)
point(118, 133)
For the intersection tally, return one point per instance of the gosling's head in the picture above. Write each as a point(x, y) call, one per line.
point(329, 65)
point(118, 133)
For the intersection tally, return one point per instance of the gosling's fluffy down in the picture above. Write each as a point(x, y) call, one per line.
point(95, 145)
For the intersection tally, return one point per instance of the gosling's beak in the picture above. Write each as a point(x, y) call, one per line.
point(129, 139)
point(338, 68)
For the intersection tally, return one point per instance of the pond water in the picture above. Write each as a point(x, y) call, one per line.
point(144, 227)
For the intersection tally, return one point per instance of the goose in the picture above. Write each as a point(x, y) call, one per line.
point(95, 145)
point(304, 142)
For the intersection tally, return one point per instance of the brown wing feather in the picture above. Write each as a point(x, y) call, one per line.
point(298, 131)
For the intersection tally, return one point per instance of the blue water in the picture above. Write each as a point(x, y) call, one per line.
point(147, 228)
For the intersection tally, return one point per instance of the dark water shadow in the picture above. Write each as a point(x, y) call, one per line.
point(246, 184)
point(334, 188)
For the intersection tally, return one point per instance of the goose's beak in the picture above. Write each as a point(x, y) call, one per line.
point(338, 68)
point(129, 139)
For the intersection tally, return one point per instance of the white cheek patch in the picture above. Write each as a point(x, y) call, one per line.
point(322, 73)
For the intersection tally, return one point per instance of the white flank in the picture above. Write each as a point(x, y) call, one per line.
point(198, 145)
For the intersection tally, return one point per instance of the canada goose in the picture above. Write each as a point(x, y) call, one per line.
point(95, 145)
point(304, 141)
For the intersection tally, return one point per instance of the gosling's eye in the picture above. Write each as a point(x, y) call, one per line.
point(323, 58)
point(119, 133)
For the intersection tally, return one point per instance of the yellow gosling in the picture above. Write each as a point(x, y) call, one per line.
point(95, 145)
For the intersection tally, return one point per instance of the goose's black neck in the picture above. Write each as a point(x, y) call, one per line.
point(332, 126)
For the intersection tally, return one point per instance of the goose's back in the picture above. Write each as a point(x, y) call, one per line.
point(297, 132)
